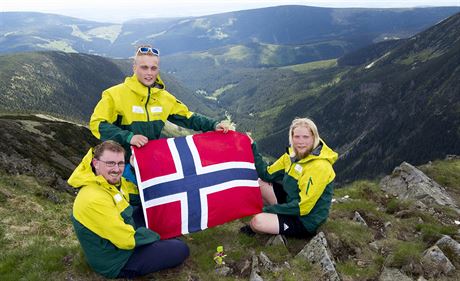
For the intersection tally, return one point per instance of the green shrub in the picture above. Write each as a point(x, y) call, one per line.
point(433, 232)
point(395, 205)
point(406, 252)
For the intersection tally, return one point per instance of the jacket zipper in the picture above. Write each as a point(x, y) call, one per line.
point(310, 181)
point(146, 103)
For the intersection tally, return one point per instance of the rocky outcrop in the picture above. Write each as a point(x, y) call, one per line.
point(408, 182)
point(451, 248)
point(317, 252)
point(435, 263)
point(255, 270)
point(359, 219)
point(276, 240)
point(392, 274)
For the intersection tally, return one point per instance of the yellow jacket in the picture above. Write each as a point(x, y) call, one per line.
point(307, 182)
point(102, 219)
point(131, 108)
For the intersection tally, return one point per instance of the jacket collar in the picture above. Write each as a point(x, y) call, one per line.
point(140, 89)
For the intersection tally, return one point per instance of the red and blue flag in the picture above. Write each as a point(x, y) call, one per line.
point(191, 183)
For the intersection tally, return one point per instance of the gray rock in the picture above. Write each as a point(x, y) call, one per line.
point(392, 274)
point(246, 268)
point(377, 246)
point(357, 218)
point(224, 270)
point(316, 251)
point(452, 157)
point(419, 205)
point(276, 240)
point(255, 270)
point(435, 263)
point(451, 248)
point(408, 182)
point(265, 261)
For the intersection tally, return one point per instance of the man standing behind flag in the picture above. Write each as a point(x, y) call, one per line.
point(134, 112)
point(114, 239)
point(301, 204)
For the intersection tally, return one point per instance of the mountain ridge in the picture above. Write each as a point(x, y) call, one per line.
point(294, 25)
point(400, 102)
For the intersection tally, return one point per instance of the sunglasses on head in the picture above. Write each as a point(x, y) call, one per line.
point(146, 50)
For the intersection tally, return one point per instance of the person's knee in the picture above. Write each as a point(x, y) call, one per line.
point(181, 249)
point(257, 222)
point(185, 250)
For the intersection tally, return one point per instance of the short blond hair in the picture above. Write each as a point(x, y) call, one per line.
point(307, 123)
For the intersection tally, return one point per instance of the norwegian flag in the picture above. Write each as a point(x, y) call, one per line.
point(190, 183)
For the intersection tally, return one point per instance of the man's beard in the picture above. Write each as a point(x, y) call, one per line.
point(300, 156)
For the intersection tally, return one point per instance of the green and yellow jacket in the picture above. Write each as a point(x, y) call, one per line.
point(130, 108)
point(308, 183)
point(102, 219)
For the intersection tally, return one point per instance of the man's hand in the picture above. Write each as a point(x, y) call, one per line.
point(249, 136)
point(131, 160)
point(224, 126)
point(139, 140)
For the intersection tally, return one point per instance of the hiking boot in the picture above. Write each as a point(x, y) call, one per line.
point(247, 230)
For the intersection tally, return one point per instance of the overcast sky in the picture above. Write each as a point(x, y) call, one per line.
point(122, 10)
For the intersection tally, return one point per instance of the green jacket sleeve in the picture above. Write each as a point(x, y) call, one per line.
point(145, 236)
point(289, 208)
point(181, 116)
point(268, 173)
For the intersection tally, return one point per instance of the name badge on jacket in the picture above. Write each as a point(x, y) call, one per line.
point(156, 109)
point(298, 169)
point(138, 109)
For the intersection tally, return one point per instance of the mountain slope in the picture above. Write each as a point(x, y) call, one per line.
point(69, 85)
point(284, 25)
point(55, 82)
point(404, 106)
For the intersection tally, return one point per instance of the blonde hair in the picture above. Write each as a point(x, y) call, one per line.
point(307, 123)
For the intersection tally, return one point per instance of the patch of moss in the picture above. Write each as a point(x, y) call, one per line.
point(353, 234)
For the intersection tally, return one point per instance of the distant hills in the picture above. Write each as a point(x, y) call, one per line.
point(328, 33)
